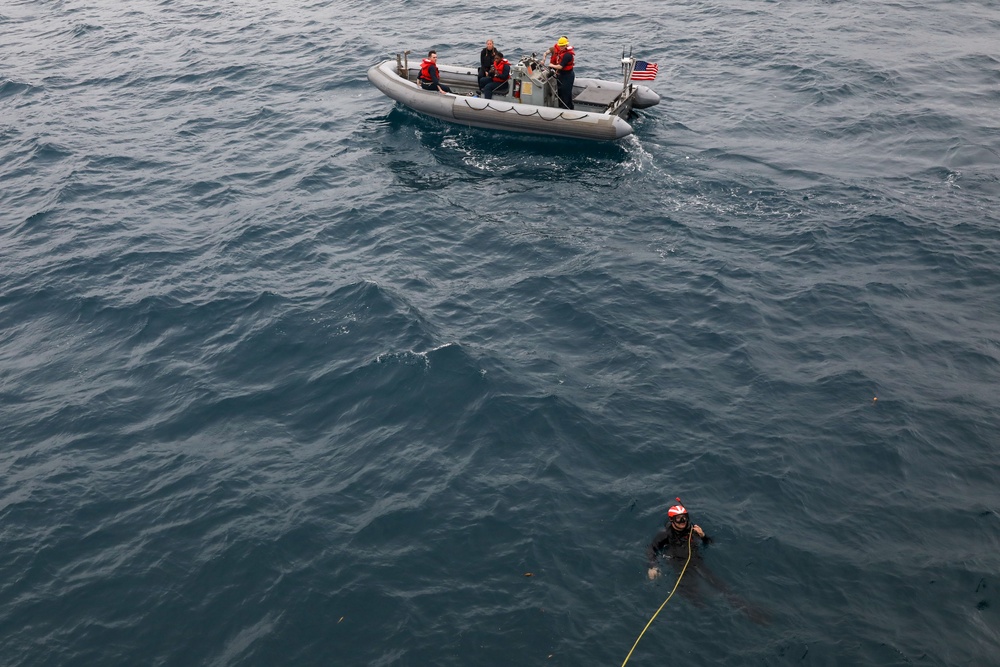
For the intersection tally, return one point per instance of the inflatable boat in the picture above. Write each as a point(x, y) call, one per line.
point(529, 103)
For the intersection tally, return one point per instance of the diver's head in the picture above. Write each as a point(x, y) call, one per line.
point(678, 516)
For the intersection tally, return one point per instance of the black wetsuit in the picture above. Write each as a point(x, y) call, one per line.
point(673, 544)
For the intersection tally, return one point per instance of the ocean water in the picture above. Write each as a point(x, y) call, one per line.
point(292, 375)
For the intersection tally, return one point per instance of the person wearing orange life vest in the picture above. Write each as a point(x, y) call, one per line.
point(429, 77)
point(564, 71)
point(555, 50)
point(498, 79)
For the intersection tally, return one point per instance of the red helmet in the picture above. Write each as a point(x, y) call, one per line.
point(676, 510)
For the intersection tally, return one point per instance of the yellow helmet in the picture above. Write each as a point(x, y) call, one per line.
point(563, 41)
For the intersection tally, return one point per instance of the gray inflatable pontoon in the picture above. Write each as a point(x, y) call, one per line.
point(530, 104)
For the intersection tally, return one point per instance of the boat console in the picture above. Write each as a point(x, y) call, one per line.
point(533, 83)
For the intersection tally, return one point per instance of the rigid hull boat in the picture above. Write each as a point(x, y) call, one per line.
point(529, 103)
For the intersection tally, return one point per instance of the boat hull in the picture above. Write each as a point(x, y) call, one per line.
point(497, 114)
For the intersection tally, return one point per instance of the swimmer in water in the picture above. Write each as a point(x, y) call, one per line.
point(673, 542)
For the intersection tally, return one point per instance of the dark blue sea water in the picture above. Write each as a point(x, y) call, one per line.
point(291, 375)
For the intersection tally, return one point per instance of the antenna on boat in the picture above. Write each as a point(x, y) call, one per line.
point(628, 64)
point(631, 66)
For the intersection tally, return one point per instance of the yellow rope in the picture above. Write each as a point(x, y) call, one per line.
point(664, 602)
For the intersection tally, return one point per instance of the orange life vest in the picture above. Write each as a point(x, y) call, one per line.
point(572, 59)
point(499, 68)
point(557, 52)
point(425, 70)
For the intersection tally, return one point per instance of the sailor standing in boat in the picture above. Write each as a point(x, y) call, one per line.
point(565, 75)
point(429, 78)
point(555, 50)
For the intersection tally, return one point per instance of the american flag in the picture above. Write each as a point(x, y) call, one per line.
point(644, 71)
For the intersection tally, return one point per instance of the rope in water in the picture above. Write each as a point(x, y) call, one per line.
point(664, 602)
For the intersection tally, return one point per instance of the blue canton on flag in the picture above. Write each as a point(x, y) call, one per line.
point(644, 71)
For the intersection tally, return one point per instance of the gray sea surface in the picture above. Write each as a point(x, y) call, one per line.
point(293, 375)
